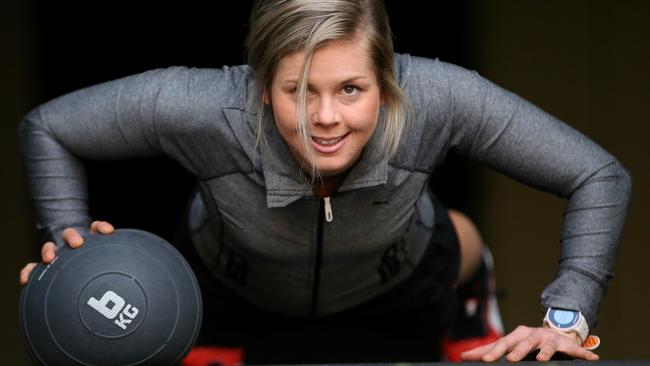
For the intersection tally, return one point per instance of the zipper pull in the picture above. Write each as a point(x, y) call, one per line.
point(328, 210)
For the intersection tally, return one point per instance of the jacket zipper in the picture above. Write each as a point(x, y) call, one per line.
point(324, 215)
point(328, 210)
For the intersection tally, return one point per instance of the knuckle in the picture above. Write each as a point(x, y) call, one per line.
point(548, 348)
point(525, 344)
point(564, 339)
point(540, 333)
point(571, 348)
point(503, 342)
point(520, 328)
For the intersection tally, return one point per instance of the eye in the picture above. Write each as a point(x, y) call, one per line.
point(350, 90)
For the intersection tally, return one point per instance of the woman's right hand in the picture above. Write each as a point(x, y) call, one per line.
point(70, 237)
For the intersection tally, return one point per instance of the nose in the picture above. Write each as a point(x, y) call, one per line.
point(325, 111)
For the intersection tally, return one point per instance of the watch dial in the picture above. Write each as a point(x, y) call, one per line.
point(564, 318)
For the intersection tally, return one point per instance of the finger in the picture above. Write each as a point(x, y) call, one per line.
point(25, 272)
point(48, 252)
point(102, 227)
point(499, 349)
point(475, 354)
point(93, 227)
point(72, 238)
point(105, 228)
point(568, 347)
point(547, 350)
point(522, 349)
point(506, 343)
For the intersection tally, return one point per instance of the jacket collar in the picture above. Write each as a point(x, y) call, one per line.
point(285, 181)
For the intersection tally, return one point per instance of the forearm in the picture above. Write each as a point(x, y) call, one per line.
point(593, 223)
point(56, 180)
point(112, 120)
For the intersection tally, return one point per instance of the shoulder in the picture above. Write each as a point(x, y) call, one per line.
point(225, 87)
point(415, 72)
point(199, 99)
point(193, 101)
point(201, 120)
point(433, 89)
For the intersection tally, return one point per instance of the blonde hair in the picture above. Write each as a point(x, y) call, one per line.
point(281, 27)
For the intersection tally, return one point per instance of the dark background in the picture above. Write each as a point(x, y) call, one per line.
point(584, 61)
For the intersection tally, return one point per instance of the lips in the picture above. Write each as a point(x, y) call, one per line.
point(328, 145)
point(327, 142)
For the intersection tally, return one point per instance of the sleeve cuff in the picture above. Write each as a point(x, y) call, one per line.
point(576, 291)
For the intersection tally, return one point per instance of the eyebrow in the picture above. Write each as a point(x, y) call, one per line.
point(346, 81)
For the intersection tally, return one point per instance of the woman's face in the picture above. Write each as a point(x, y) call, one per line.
point(343, 104)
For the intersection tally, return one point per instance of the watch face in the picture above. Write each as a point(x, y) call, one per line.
point(564, 319)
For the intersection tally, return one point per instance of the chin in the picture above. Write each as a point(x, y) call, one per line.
point(331, 170)
point(331, 166)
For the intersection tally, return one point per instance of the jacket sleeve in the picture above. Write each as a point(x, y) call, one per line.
point(505, 132)
point(109, 121)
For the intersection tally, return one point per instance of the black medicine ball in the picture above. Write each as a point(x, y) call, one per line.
point(128, 298)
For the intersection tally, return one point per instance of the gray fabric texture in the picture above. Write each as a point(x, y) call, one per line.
point(256, 209)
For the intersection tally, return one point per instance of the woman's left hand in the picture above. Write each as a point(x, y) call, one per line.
point(523, 340)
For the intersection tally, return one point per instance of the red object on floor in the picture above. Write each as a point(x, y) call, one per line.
point(208, 356)
point(451, 349)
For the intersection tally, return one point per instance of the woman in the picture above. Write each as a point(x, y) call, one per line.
point(313, 163)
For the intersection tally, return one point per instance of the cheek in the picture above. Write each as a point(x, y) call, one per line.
point(364, 118)
point(285, 115)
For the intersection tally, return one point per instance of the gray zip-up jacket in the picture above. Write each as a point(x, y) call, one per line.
point(259, 226)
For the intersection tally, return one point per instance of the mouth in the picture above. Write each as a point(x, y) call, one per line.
point(327, 141)
point(328, 145)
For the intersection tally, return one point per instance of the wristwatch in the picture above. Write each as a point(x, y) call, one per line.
point(567, 321)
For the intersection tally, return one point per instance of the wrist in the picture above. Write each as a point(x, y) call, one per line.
point(568, 322)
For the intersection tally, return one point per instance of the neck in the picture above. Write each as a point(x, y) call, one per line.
point(326, 186)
